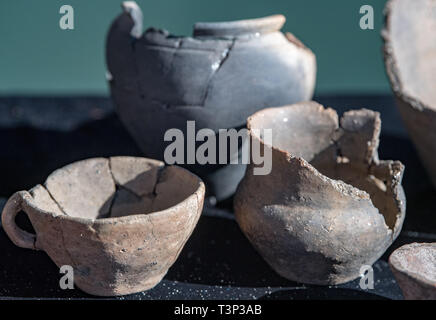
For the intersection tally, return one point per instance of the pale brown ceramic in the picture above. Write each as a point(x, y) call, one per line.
point(329, 205)
point(414, 267)
point(119, 222)
point(410, 59)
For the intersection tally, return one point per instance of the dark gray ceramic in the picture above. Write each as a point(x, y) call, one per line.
point(218, 77)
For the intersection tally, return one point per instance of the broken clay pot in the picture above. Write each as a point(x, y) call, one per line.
point(329, 205)
point(217, 78)
point(410, 59)
point(119, 222)
point(414, 267)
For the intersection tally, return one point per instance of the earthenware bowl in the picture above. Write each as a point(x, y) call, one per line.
point(217, 78)
point(410, 59)
point(119, 222)
point(329, 205)
point(414, 267)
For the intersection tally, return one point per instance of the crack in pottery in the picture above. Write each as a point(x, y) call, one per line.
point(116, 244)
point(316, 218)
point(217, 77)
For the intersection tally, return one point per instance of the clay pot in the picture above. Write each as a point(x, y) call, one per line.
point(410, 59)
point(414, 267)
point(329, 205)
point(217, 78)
point(119, 222)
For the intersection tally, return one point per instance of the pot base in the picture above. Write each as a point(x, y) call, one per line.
point(120, 290)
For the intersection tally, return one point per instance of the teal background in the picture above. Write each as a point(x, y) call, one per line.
point(38, 58)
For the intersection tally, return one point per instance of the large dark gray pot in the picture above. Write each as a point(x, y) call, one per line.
point(218, 77)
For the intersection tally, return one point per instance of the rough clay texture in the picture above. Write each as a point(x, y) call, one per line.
point(329, 205)
point(119, 222)
point(217, 78)
point(414, 267)
point(410, 59)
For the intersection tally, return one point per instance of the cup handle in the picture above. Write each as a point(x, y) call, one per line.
point(18, 236)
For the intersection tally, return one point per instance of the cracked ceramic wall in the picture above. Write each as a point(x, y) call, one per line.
point(119, 222)
point(217, 78)
point(329, 206)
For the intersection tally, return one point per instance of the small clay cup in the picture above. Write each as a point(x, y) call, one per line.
point(329, 205)
point(119, 222)
point(410, 60)
point(414, 267)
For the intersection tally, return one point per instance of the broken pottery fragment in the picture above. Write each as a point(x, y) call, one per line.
point(217, 78)
point(329, 205)
point(410, 59)
point(414, 267)
point(119, 222)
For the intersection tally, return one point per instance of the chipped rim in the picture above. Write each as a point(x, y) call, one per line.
point(355, 192)
point(206, 31)
point(197, 195)
point(392, 68)
point(396, 265)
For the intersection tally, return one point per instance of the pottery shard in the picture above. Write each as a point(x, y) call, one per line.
point(127, 203)
point(414, 267)
point(119, 37)
point(410, 60)
point(410, 47)
point(354, 148)
point(175, 182)
point(139, 175)
point(362, 130)
point(45, 200)
point(329, 204)
point(313, 118)
point(84, 190)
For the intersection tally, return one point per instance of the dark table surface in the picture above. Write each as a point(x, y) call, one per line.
point(39, 135)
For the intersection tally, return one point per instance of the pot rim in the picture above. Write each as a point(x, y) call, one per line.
point(197, 195)
point(210, 30)
point(239, 27)
point(397, 266)
point(303, 162)
point(392, 68)
point(355, 191)
point(285, 107)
